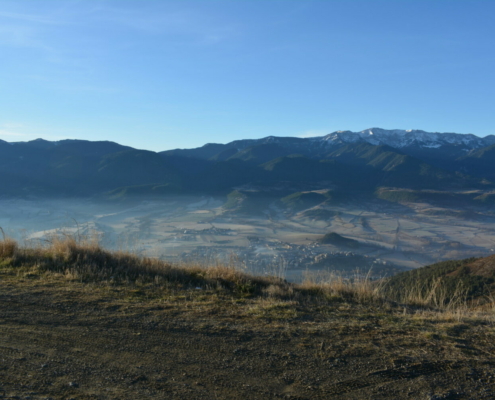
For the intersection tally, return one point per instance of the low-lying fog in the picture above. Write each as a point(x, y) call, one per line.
point(391, 236)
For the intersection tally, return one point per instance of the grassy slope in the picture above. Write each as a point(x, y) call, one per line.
point(469, 280)
point(80, 322)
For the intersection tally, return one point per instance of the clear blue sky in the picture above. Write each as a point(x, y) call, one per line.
point(166, 74)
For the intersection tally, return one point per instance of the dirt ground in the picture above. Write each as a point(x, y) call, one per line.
point(66, 340)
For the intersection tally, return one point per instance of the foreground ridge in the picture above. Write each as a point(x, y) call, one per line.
point(71, 330)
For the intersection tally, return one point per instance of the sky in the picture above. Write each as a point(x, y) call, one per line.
point(159, 74)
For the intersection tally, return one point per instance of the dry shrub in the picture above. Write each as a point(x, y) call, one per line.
point(64, 249)
point(226, 273)
point(279, 291)
point(433, 293)
point(8, 248)
point(331, 285)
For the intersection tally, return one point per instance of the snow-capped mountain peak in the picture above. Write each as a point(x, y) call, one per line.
point(399, 138)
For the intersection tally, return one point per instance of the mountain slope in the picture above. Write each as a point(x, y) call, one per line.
point(76, 167)
point(393, 168)
point(261, 153)
point(480, 162)
point(306, 170)
point(342, 161)
point(433, 147)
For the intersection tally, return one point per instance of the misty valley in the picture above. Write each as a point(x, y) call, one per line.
point(265, 238)
point(376, 201)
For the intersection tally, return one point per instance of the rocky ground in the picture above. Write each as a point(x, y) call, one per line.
point(67, 340)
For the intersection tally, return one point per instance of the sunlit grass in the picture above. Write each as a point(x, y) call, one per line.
point(83, 260)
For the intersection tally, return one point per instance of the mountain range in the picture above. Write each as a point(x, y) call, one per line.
point(342, 162)
point(412, 142)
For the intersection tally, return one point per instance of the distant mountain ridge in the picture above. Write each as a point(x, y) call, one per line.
point(454, 152)
point(342, 161)
point(398, 138)
point(408, 141)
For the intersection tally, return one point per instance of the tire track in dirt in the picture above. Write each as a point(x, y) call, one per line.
point(392, 375)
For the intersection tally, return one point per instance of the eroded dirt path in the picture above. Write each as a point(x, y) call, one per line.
point(72, 341)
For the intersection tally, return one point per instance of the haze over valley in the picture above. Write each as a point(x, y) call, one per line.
point(388, 200)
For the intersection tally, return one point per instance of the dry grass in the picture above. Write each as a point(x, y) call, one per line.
point(432, 294)
point(84, 260)
point(360, 288)
point(8, 246)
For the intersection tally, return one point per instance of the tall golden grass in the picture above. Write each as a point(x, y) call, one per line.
point(8, 246)
point(83, 259)
point(432, 293)
point(359, 288)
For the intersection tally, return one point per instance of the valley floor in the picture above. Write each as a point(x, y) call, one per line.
point(198, 229)
point(67, 340)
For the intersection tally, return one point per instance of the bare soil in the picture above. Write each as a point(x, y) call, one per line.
point(68, 340)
